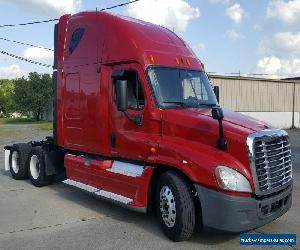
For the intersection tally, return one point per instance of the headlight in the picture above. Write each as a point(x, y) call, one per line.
point(229, 179)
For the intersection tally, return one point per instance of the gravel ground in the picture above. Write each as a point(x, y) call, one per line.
point(11, 133)
point(62, 217)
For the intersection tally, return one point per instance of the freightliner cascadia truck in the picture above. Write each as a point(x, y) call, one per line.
point(137, 121)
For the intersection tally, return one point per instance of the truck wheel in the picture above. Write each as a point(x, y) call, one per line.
point(18, 159)
point(175, 206)
point(36, 168)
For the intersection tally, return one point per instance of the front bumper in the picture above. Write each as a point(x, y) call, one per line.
point(238, 214)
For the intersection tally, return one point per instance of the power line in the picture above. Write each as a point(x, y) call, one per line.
point(56, 19)
point(32, 45)
point(119, 5)
point(23, 43)
point(25, 59)
point(29, 23)
point(212, 73)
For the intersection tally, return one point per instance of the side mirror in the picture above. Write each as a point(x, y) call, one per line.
point(217, 113)
point(217, 92)
point(118, 74)
point(121, 89)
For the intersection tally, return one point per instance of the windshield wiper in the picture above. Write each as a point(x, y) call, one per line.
point(182, 104)
point(207, 104)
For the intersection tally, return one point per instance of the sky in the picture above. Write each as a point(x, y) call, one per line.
point(229, 36)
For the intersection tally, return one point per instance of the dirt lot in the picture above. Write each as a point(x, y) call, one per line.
point(62, 217)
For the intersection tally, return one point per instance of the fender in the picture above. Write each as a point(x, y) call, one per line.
point(196, 160)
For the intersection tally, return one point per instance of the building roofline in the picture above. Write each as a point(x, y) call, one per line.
point(253, 78)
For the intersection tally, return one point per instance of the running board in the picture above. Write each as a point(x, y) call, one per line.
point(99, 192)
point(123, 182)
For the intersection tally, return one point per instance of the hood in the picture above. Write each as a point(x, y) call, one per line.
point(197, 127)
point(200, 119)
point(238, 119)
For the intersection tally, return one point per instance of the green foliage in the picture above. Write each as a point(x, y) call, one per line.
point(33, 94)
point(7, 88)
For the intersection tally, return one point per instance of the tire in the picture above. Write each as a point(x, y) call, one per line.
point(18, 158)
point(37, 168)
point(175, 206)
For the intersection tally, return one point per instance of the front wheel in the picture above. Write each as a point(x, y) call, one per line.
point(175, 206)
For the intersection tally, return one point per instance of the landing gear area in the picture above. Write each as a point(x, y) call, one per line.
point(38, 161)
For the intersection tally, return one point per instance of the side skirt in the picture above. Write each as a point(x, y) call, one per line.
point(100, 193)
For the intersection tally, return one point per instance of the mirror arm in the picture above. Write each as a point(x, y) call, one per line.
point(222, 143)
point(217, 114)
point(217, 92)
point(137, 119)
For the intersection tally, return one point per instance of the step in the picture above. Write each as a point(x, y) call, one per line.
point(98, 192)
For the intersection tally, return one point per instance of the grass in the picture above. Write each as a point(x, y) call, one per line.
point(18, 128)
point(45, 126)
point(41, 125)
point(18, 120)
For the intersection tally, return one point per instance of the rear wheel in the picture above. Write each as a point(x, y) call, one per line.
point(18, 159)
point(175, 206)
point(37, 168)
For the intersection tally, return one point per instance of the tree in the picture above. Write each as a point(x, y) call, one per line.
point(33, 94)
point(6, 96)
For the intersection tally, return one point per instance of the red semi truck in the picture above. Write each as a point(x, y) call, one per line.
point(136, 121)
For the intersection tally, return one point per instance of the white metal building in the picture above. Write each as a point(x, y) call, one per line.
point(274, 101)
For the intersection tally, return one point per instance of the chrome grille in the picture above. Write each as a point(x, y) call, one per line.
point(270, 155)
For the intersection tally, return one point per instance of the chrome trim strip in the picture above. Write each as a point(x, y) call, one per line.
point(99, 192)
point(113, 196)
point(80, 185)
point(127, 169)
point(265, 135)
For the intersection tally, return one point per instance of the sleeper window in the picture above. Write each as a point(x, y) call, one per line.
point(76, 37)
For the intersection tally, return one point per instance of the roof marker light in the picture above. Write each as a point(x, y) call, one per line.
point(151, 57)
point(177, 60)
point(188, 62)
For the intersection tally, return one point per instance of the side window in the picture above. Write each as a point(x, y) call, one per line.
point(135, 92)
point(76, 37)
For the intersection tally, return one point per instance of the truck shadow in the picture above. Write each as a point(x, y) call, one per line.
point(146, 221)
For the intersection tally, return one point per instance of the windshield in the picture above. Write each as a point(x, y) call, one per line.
point(181, 88)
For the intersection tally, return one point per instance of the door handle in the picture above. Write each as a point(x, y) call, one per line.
point(113, 140)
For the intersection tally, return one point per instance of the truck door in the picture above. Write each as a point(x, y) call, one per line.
point(129, 139)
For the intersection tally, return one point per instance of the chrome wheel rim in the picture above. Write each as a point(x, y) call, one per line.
point(15, 161)
point(34, 167)
point(167, 206)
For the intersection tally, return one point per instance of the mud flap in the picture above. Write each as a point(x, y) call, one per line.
point(54, 161)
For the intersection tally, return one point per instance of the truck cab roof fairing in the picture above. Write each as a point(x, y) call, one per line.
point(149, 43)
